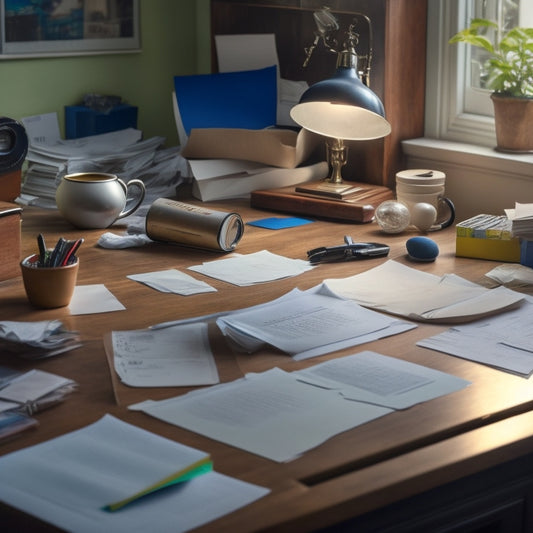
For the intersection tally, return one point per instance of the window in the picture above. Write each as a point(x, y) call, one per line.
point(458, 105)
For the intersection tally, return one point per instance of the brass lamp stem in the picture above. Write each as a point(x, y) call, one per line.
point(337, 153)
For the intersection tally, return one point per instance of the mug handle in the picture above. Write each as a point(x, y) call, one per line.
point(142, 192)
point(451, 218)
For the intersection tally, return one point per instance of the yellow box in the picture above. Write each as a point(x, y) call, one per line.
point(507, 250)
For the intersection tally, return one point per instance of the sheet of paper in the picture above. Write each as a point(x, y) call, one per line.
point(381, 380)
point(271, 414)
point(307, 324)
point(401, 290)
point(503, 341)
point(42, 129)
point(259, 267)
point(66, 482)
point(169, 357)
point(511, 273)
point(245, 51)
point(206, 169)
point(88, 299)
point(173, 281)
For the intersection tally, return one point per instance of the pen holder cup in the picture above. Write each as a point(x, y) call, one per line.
point(48, 287)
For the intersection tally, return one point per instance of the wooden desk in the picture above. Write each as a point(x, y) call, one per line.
point(404, 454)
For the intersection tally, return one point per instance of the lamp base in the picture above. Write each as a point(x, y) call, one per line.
point(329, 189)
point(354, 208)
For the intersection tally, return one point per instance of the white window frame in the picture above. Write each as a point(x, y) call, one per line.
point(454, 110)
point(446, 71)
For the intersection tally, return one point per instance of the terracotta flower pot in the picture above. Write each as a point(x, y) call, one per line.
point(514, 123)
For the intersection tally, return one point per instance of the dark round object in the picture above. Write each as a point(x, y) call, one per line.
point(422, 249)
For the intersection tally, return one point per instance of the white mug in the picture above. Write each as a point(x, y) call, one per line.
point(419, 187)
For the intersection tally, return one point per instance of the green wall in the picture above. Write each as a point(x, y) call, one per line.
point(174, 41)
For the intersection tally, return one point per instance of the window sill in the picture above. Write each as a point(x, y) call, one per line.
point(469, 155)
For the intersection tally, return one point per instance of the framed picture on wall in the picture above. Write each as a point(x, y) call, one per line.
point(37, 28)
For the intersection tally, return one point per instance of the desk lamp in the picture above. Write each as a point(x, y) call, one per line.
point(342, 107)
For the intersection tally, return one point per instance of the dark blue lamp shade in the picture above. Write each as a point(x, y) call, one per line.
point(344, 87)
point(342, 107)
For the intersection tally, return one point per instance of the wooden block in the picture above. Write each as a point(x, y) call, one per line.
point(10, 220)
point(359, 207)
point(10, 184)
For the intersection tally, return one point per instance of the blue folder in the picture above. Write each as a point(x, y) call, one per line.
point(243, 99)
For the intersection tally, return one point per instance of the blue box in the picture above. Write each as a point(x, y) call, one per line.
point(526, 253)
point(81, 121)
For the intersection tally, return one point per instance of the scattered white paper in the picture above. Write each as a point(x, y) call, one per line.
point(271, 414)
point(381, 380)
point(169, 357)
point(511, 273)
point(173, 281)
point(504, 341)
point(401, 290)
point(33, 385)
point(66, 481)
point(88, 299)
point(307, 324)
point(34, 340)
point(259, 267)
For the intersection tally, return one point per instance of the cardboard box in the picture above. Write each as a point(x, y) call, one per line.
point(10, 237)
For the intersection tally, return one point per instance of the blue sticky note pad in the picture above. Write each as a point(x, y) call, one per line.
point(279, 223)
point(243, 99)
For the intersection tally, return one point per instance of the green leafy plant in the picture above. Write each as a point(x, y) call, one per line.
point(510, 61)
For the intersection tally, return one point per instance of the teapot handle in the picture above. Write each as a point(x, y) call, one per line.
point(135, 183)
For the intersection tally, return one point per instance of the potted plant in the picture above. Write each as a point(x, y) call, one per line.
point(509, 70)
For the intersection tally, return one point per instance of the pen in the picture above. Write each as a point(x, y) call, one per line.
point(57, 252)
point(42, 249)
point(71, 251)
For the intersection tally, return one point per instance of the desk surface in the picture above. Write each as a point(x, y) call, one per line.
point(396, 456)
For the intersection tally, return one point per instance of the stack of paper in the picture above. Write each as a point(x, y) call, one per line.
point(33, 340)
point(123, 153)
point(78, 480)
point(33, 391)
point(398, 289)
point(225, 123)
point(24, 393)
point(308, 324)
point(503, 341)
point(522, 220)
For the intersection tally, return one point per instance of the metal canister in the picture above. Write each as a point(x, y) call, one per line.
point(190, 225)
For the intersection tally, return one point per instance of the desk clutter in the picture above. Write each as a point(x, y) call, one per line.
point(251, 412)
point(37, 340)
point(23, 394)
point(506, 237)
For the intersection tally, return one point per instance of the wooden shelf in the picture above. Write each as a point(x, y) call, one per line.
point(397, 72)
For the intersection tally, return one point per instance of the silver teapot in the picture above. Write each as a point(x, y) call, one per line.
point(96, 199)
